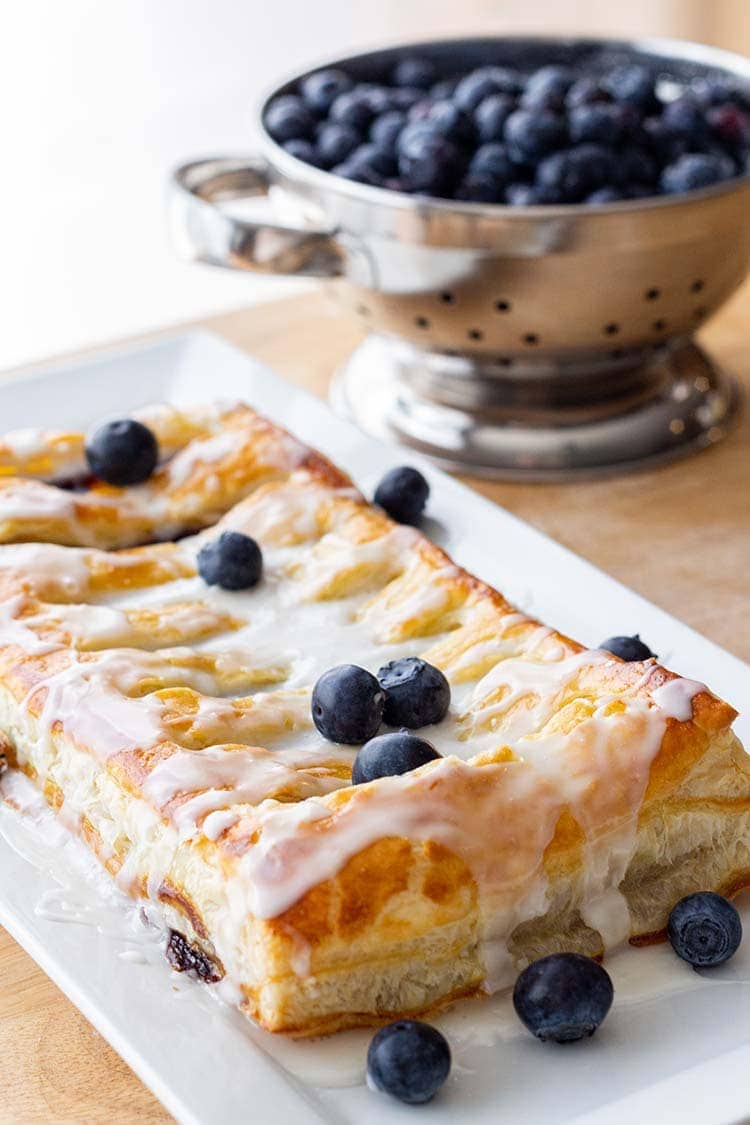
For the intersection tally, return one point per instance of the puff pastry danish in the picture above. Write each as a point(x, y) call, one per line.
point(577, 797)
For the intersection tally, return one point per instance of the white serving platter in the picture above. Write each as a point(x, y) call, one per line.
point(676, 1046)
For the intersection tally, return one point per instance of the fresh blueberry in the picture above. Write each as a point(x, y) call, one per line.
point(321, 88)
point(563, 997)
point(526, 195)
point(627, 648)
point(409, 1060)
point(634, 85)
point(379, 98)
point(493, 159)
point(478, 188)
point(288, 118)
point(490, 116)
point(447, 119)
point(414, 70)
point(479, 84)
point(443, 89)
point(547, 87)
point(385, 129)
point(601, 123)
point(586, 90)
point(353, 108)
point(417, 694)
point(574, 173)
point(427, 161)
point(381, 160)
point(685, 117)
point(404, 97)
point(530, 135)
point(122, 452)
point(403, 493)
point(604, 195)
point(721, 89)
point(303, 150)
point(233, 561)
point(695, 170)
point(634, 165)
point(335, 143)
point(387, 755)
point(730, 125)
point(666, 145)
point(704, 929)
point(347, 704)
point(360, 171)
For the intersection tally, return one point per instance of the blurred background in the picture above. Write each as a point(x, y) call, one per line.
point(100, 100)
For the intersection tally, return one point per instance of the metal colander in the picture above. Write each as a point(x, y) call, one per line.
point(536, 342)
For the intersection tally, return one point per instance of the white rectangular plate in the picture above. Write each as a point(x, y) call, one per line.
point(675, 1046)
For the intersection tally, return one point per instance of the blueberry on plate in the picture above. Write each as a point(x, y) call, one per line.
point(627, 648)
point(409, 1060)
point(563, 997)
point(347, 704)
point(414, 70)
point(321, 88)
point(233, 562)
point(288, 118)
point(402, 493)
point(388, 755)
point(704, 929)
point(417, 694)
point(336, 142)
point(122, 452)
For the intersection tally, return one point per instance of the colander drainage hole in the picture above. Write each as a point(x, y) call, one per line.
point(617, 353)
point(503, 306)
point(697, 286)
point(447, 297)
point(504, 361)
point(531, 339)
point(659, 325)
point(475, 334)
point(611, 329)
point(653, 294)
point(421, 322)
point(700, 312)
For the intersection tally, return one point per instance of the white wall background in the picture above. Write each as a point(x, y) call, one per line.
point(99, 98)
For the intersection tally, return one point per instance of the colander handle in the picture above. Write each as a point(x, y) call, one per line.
point(204, 232)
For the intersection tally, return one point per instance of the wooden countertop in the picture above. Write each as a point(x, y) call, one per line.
point(679, 535)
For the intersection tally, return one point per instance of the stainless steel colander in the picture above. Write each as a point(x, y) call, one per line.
point(539, 342)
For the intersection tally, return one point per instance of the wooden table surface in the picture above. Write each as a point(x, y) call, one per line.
point(679, 535)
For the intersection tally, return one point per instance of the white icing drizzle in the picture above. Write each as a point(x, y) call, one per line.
point(204, 451)
point(676, 697)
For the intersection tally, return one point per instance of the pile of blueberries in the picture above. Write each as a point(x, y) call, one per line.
point(496, 135)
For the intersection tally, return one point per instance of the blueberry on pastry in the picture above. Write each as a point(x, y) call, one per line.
point(122, 452)
point(388, 755)
point(627, 648)
point(704, 929)
point(233, 561)
point(402, 493)
point(563, 997)
point(417, 694)
point(409, 1060)
point(347, 704)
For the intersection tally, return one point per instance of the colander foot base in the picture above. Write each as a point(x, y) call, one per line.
point(676, 403)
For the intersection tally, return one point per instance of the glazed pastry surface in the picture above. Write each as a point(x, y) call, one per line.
point(168, 723)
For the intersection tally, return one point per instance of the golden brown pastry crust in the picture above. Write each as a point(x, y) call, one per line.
point(170, 725)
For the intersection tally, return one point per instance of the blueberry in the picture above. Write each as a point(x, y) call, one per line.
point(685, 117)
point(704, 929)
point(634, 165)
point(447, 119)
point(720, 89)
point(604, 195)
point(303, 150)
point(385, 129)
point(476, 187)
point(479, 84)
point(572, 174)
point(665, 143)
point(414, 70)
point(563, 997)
point(443, 89)
point(347, 704)
point(360, 171)
point(627, 648)
point(378, 98)
point(427, 161)
point(409, 1060)
point(381, 160)
point(353, 108)
point(122, 452)
point(730, 124)
point(404, 97)
point(490, 116)
point(634, 85)
point(320, 89)
point(547, 87)
point(416, 693)
point(601, 123)
point(233, 561)
point(530, 135)
point(403, 493)
point(288, 118)
point(586, 90)
point(388, 755)
point(492, 159)
point(526, 195)
point(335, 143)
point(695, 170)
